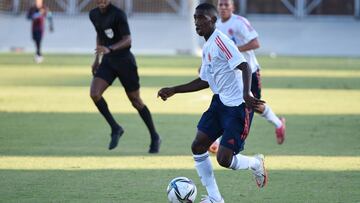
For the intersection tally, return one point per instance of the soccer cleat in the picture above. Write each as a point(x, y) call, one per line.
point(207, 199)
point(38, 59)
point(155, 146)
point(280, 132)
point(214, 147)
point(115, 136)
point(260, 174)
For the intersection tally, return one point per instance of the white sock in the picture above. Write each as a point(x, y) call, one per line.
point(270, 116)
point(241, 162)
point(206, 173)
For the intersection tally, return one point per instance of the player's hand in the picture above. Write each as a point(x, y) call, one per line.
point(102, 50)
point(252, 102)
point(95, 67)
point(166, 92)
point(51, 28)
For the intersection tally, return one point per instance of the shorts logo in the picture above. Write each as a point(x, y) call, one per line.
point(109, 33)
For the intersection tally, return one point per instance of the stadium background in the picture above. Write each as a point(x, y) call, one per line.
point(286, 27)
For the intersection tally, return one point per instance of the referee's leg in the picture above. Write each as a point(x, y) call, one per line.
point(98, 87)
point(138, 104)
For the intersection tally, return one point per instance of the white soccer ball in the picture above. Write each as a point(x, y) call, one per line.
point(181, 190)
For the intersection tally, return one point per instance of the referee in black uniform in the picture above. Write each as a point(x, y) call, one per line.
point(113, 41)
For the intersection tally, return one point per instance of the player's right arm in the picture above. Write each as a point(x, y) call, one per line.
point(96, 63)
point(192, 86)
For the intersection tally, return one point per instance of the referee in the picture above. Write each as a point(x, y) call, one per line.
point(113, 42)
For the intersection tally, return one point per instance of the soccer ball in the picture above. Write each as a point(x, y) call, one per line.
point(181, 190)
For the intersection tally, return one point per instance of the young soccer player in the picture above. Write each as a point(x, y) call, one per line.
point(240, 31)
point(37, 15)
point(113, 41)
point(227, 73)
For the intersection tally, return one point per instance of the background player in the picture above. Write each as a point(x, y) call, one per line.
point(239, 29)
point(228, 75)
point(113, 41)
point(37, 14)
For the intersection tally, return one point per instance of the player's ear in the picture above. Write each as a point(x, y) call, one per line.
point(213, 19)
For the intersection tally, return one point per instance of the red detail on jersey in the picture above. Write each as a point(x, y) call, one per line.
point(223, 48)
point(246, 22)
point(231, 31)
point(245, 132)
point(231, 141)
point(209, 57)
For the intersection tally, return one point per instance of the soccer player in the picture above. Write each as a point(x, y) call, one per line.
point(37, 15)
point(239, 30)
point(226, 72)
point(113, 43)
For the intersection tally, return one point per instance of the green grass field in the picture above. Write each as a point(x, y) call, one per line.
point(53, 143)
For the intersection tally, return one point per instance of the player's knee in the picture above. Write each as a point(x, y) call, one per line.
point(136, 103)
point(223, 160)
point(95, 96)
point(197, 147)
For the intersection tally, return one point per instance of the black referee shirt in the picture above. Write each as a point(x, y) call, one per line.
point(110, 26)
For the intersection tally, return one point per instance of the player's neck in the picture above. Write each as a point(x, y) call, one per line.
point(105, 9)
point(224, 19)
point(207, 36)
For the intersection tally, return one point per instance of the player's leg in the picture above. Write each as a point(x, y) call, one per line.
point(208, 130)
point(265, 111)
point(232, 142)
point(37, 37)
point(136, 101)
point(101, 81)
point(129, 78)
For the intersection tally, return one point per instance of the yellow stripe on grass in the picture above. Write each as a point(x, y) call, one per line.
point(317, 163)
point(76, 99)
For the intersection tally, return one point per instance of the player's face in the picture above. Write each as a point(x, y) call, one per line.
point(225, 8)
point(102, 3)
point(204, 24)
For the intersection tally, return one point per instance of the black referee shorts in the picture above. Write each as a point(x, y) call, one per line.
point(124, 68)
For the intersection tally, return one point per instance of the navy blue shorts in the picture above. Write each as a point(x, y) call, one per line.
point(124, 68)
point(233, 123)
point(256, 84)
point(37, 35)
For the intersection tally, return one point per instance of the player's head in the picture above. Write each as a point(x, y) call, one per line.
point(102, 4)
point(205, 19)
point(225, 8)
point(39, 3)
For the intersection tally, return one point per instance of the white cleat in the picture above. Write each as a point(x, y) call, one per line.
point(38, 59)
point(260, 174)
point(207, 199)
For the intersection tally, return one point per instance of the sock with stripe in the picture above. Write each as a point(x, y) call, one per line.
point(206, 173)
point(270, 116)
point(241, 162)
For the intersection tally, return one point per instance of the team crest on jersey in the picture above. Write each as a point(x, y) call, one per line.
point(109, 33)
point(231, 32)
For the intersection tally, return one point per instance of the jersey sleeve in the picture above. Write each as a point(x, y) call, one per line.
point(202, 74)
point(123, 24)
point(246, 30)
point(228, 50)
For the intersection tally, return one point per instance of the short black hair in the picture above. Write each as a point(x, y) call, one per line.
point(207, 7)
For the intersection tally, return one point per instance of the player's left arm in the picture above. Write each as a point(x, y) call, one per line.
point(249, 34)
point(49, 17)
point(250, 100)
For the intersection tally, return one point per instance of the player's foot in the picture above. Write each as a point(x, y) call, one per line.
point(280, 132)
point(207, 199)
point(115, 136)
point(260, 174)
point(38, 59)
point(214, 147)
point(155, 146)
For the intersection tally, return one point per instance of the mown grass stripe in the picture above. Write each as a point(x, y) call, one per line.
point(76, 99)
point(316, 163)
